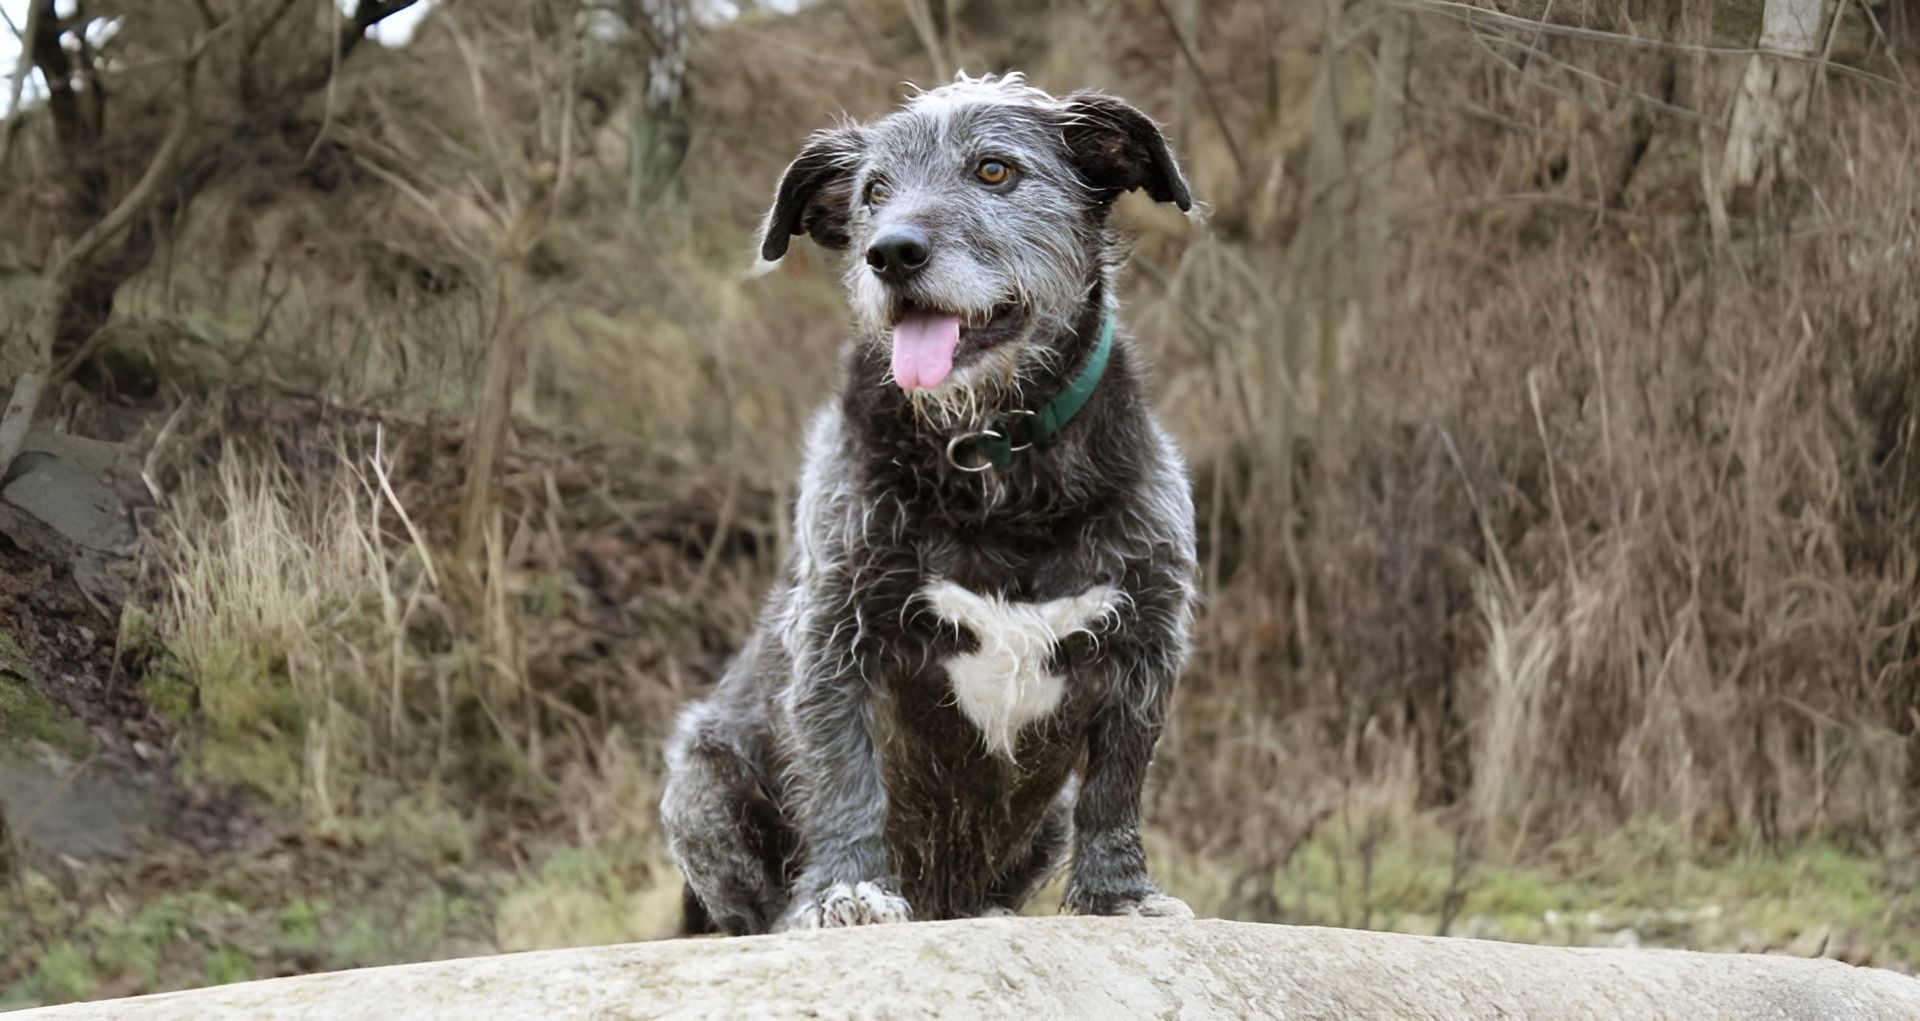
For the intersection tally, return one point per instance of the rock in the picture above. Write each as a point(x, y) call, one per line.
point(1812, 942)
point(1627, 939)
point(66, 513)
point(70, 811)
point(71, 500)
point(112, 461)
point(1099, 968)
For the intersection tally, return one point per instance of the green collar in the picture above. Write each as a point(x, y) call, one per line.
point(995, 445)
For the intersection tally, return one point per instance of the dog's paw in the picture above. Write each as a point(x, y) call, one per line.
point(1158, 905)
point(1151, 904)
point(844, 904)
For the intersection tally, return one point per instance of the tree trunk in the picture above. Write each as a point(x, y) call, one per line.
point(662, 109)
point(30, 355)
point(1386, 125)
point(1315, 309)
point(1772, 104)
point(490, 422)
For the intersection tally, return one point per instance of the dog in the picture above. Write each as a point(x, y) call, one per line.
point(958, 682)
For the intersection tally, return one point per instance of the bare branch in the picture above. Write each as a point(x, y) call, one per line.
point(1206, 90)
point(42, 49)
point(32, 381)
point(142, 193)
point(22, 65)
point(369, 13)
point(495, 151)
point(251, 49)
point(413, 194)
point(1472, 14)
point(366, 14)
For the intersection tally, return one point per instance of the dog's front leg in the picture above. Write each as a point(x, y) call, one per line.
point(1109, 861)
point(843, 805)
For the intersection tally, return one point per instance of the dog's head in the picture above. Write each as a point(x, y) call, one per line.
point(974, 219)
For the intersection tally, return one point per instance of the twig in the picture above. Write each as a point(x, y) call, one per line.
point(333, 86)
point(1469, 13)
point(1486, 522)
point(381, 473)
point(922, 18)
point(1206, 90)
point(1553, 478)
point(22, 65)
point(152, 459)
point(1893, 52)
point(413, 194)
point(1598, 79)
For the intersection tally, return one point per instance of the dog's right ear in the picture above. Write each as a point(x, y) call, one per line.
point(816, 192)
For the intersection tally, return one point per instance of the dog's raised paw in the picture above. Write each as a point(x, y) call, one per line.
point(844, 904)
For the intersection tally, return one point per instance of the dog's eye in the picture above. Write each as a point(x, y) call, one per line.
point(991, 171)
point(877, 192)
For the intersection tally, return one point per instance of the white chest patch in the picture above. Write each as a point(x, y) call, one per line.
point(1005, 684)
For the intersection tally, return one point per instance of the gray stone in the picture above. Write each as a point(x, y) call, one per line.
point(1097, 968)
point(71, 500)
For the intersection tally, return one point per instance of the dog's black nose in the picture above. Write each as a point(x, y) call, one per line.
point(899, 253)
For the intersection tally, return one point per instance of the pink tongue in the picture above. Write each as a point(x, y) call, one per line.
point(923, 346)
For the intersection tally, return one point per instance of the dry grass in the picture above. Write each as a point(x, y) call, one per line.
point(1624, 530)
point(294, 616)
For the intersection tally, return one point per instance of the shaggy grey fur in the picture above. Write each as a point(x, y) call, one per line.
point(960, 677)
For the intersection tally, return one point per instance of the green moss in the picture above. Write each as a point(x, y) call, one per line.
point(163, 678)
point(362, 941)
point(25, 714)
point(63, 973)
point(226, 965)
point(245, 720)
point(420, 826)
point(584, 897)
point(299, 925)
point(12, 659)
point(365, 938)
point(264, 762)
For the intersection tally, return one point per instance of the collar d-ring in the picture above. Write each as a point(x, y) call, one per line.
point(1034, 428)
point(1024, 427)
point(954, 444)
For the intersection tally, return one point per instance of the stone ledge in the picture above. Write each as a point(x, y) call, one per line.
point(1096, 968)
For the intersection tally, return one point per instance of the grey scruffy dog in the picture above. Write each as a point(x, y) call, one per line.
point(964, 669)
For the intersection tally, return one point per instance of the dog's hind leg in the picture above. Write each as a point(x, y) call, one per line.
point(724, 827)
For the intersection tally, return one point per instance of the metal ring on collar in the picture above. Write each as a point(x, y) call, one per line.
point(1027, 445)
point(953, 448)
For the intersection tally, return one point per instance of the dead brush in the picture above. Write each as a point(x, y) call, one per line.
point(342, 658)
point(293, 616)
point(1624, 529)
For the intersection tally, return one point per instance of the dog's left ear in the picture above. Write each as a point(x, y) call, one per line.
point(815, 195)
point(1117, 148)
